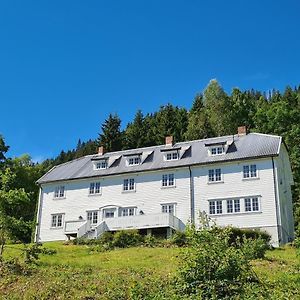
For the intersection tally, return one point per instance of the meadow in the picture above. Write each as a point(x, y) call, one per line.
point(81, 272)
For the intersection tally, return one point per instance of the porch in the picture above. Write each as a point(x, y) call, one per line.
point(83, 228)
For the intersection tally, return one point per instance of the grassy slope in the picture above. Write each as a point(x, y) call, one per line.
point(77, 273)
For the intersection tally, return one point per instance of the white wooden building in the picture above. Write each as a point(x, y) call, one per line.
point(243, 180)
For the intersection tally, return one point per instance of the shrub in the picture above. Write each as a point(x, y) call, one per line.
point(126, 238)
point(32, 252)
point(254, 248)
point(238, 234)
point(179, 239)
point(211, 267)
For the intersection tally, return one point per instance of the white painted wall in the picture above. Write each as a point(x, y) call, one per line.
point(234, 186)
point(148, 197)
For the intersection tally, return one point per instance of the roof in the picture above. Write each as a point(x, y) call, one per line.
point(252, 145)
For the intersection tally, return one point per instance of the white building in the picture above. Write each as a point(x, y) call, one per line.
point(242, 180)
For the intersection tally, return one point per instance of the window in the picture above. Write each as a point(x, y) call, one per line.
point(109, 213)
point(214, 175)
point(128, 184)
point(251, 204)
point(233, 206)
point(133, 161)
point(217, 150)
point(172, 155)
point(168, 180)
point(92, 216)
point(249, 171)
point(127, 211)
point(215, 207)
point(59, 192)
point(56, 221)
point(102, 164)
point(167, 208)
point(95, 188)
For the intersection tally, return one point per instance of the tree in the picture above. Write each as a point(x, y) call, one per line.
point(111, 137)
point(3, 149)
point(135, 133)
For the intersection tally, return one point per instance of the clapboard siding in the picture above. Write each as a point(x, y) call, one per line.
point(148, 197)
point(233, 186)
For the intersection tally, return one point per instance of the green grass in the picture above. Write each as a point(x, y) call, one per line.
point(76, 272)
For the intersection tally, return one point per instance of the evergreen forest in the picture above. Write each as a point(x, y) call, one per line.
point(213, 113)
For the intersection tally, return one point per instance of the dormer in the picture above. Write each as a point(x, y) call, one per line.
point(133, 159)
point(99, 161)
point(217, 148)
point(171, 155)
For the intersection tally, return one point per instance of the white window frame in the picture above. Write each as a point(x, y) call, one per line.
point(214, 174)
point(168, 180)
point(59, 192)
point(57, 220)
point(134, 160)
point(168, 208)
point(93, 216)
point(95, 188)
point(129, 185)
point(127, 211)
point(100, 164)
point(253, 201)
point(109, 210)
point(215, 207)
point(235, 205)
point(171, 155)
point(217, 150)
point(248, 172)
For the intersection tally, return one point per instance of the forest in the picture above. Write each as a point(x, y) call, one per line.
point(213, 113)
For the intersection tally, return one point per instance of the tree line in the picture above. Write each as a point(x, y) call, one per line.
point(213, 113)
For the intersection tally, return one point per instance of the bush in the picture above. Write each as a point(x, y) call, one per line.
point(238, 234)
point(211, 267)
point(254, 248)
point(179, 239)
point(126, 238)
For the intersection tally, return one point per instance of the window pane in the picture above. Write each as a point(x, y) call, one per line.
point(211, 175)
point(92, 187)
point(169, 156)
point(56, 193)
point(218, 174)
point(229, 206)
point(175, 155)
point(237, 207)
point(171, 179)
point(255, 206)
point(212, 208)
point(253, 170)
point(131, 211)
point(220, 150)
point(95, 217)
point(54, 218)
point(246, 171)
point(125, 185)
point(97, 188)
point(59, 220)
point(164, 180)
point(164, 208)
point(247, 204)
point(214, 151)
point(219, 207)
point(131, 184)
point(62, 191)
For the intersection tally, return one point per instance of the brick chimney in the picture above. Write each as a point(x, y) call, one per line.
point(101, 150)
point(242, 130)
point(169, 140)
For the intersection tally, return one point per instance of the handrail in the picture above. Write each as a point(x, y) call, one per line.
point(83, 229)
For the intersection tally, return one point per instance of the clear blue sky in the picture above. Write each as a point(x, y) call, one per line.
point(65, 65)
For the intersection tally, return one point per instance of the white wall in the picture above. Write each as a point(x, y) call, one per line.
point(148, 197)
point(233, 186)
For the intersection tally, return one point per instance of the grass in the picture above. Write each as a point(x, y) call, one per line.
point(77, 272)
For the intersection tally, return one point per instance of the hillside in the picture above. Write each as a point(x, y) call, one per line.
point(80, 272)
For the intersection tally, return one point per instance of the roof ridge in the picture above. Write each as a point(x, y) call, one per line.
point(265, 134)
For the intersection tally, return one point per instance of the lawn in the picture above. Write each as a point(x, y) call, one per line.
point(78, 272)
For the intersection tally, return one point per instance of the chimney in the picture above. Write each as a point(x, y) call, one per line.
point(101, 150)
point(169, 140)
point(242, 130)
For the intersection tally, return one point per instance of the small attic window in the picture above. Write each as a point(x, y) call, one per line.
point(100, 165)
point(134, 160)
point(218, 150)
point(172, 155)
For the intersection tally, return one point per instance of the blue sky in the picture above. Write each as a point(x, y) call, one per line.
point(65, 65)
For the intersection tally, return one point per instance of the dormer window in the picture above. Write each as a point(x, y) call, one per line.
point(217, 150)
point(172, 155)
point(100, 165)
point(134, 160)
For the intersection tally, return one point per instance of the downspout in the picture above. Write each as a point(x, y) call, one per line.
point(39, 214)
point(276, 202)
point(192, 202)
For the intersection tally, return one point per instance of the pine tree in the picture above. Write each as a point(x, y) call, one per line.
point(111, 137)
point(3, 149)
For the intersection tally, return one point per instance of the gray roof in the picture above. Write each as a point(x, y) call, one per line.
point(252, 145)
